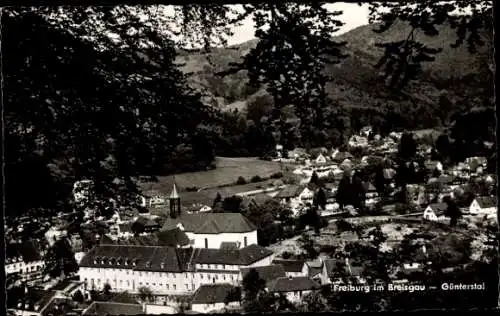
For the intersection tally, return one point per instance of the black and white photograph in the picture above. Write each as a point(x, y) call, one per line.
point(288, 157)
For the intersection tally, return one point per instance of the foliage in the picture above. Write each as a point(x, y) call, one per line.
point(60, 259)
point(253, 287)
point(78, 297)
point(60, 128)
point(241, 181)
point(145, 294)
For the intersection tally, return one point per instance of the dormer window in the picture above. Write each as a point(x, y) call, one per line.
point(134, 263)
point(162, 265)
point(148, 264)
point(126, 262)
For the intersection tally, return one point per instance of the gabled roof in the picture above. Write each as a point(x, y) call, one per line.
point(244, 256)
point(213, 293)
point(174, 237)
point(486, 201)
point(229, 245)
point(290, 191)
point(266, 273)
point(369, 187)
point(147, 258)
point(291, 265)
point(286, 284)
point(112, 308)
point(438, 208)
point(211, 223)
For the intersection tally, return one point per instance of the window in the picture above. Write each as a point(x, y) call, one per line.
point(98, 281)
point(147, 283)
point(185, 275)
point(167, 286)
point(187, 287)
point(121, 282)
point(232, 277)
point(140, 283)
point(160, 284)
point(140, 273)
point(223, 267)
point(206, 242)
point(201, 276)
point(154, 284)
point(175, 287)
point(245, 241)
point(216, 277)
point(127, 272)
point(173, 274)
point(224, 277)
point(128, 283)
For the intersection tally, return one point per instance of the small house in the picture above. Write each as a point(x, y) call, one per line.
point(293, 268)
point(483, 205)
point(435, 212)
point(370, 190)
point(295, 288)
point(295, 196)
point(320, 159)
point(152, 198)
point(210, 298)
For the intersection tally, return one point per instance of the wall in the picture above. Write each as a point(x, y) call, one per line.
point(160, 309)
point(208, 308)
point(215, 240)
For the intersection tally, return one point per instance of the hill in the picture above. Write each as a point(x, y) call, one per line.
point(357, 84)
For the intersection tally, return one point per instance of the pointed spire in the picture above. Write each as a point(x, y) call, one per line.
point(173, 193)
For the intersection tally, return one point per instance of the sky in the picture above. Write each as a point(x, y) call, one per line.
point(353, 16)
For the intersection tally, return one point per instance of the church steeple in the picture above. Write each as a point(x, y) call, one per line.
point(174, 201)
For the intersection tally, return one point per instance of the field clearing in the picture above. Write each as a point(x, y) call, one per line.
point(227, 172)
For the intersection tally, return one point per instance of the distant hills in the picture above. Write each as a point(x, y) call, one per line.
point(357, 84)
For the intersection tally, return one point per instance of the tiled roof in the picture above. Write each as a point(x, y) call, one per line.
point(168, 259)
point(244, 256)
point(112, 308)
point(267, 273)
point(213, 293)
point(146, 258)
point(290, 191)
point(313, 271)
point(287, 284)
point(146, 222)
point(28, 250)
point(229, 245)
point(174, 237)
point(487, 201)
point(211, 223)
point(291, 265)
point(369, 187)
point(438, 208)
point(35, 297)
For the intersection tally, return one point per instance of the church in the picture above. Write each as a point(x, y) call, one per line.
point(210, 230)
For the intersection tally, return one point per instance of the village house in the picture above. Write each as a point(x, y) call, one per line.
point(166, 270)
point(152, 198)
point(435, 212)
point(24, 260)
point(266, 273)
point(210, 298)
point(209, 230)
point(337, 271)
point(295, 197)
point(36, 302)
point(320, 159)
point(293, 268)
point(295, 288)
point(315, 271)
point(483, 205)
point(432, 166)
point(370, 190)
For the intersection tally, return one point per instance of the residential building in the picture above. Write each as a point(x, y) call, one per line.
point(435, 212)
point(370, 190)
point(295, 288)
point(293, 268)
point(210, 298)
point(483, 205)
point(266, 273)
point(34, 303)
point(209, 230)
point(295, 197)
point(152, 198)
point(320, 159)
point(166, 270)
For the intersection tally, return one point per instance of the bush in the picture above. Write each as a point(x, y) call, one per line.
point(398, 228)
point(277, 175)
point(286, 255)
point(192, 189)
point(241, 181)
point(256, 179)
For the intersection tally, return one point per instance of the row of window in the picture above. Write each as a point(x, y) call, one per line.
point(157, 274)
point(209, 277)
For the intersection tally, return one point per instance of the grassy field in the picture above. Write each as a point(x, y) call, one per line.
point(227, 172)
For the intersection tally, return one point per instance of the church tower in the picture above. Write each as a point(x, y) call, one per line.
point(174, 202)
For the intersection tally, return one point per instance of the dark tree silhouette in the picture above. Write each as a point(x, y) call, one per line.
point(320, 198)
point(314, 178)
point(60, 259)
point(407, 147)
